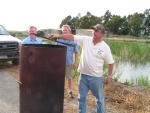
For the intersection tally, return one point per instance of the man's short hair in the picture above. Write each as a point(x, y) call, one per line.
point(66, 26)
point(30, 27)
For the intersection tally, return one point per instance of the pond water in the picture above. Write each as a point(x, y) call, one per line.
point(126, 71)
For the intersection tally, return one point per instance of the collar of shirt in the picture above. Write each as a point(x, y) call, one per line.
point(33, 40)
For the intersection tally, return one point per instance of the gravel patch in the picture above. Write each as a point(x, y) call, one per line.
point(9, 93)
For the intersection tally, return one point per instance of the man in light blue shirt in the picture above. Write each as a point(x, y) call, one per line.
point(71, 58)
point(32, 39)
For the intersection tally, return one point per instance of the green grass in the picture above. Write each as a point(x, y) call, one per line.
point(143, 81)
point(134, 52)
point(140, 81)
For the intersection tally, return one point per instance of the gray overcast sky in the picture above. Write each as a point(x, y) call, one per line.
point(19, 14)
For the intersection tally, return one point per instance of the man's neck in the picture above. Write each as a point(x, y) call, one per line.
point(96, 41)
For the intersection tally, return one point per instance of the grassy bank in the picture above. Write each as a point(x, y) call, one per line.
point(135, 52)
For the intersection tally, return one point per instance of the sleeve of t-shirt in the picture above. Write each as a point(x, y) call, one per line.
point(80, 39)
point(109, 57)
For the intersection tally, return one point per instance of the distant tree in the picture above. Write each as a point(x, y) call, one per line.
point(77, 21)
point(87, 21)
point(118, 25)
point(67, 20)
point(114, 24)
point(124, 28)
point(146, 22)
point(106, 18)
point(135, 24)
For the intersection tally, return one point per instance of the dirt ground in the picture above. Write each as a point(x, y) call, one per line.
point(118, 97)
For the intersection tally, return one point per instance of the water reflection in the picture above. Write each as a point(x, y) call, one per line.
point(127, 71)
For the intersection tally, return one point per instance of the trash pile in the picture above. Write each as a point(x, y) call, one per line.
point(119, 98)
point(133, 99)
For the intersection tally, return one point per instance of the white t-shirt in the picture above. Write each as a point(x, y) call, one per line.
point(93, 56)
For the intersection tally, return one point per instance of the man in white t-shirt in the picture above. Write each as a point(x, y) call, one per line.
point(94, 53)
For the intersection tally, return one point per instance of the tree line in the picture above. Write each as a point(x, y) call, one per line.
point(136, 24)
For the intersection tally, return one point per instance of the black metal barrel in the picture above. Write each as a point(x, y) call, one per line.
point(42, 76)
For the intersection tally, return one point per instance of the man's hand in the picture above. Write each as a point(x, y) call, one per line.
point(108, 80)
point(54, 36)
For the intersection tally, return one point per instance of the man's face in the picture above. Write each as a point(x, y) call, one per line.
point(34, 31)
point(97, 34)
point(65, 30)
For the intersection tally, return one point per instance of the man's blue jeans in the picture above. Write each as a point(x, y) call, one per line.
point(95, 84)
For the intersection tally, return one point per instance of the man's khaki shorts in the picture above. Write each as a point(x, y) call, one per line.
point(69, 72)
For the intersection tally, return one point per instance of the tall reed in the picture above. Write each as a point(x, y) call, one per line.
point(134, 52)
